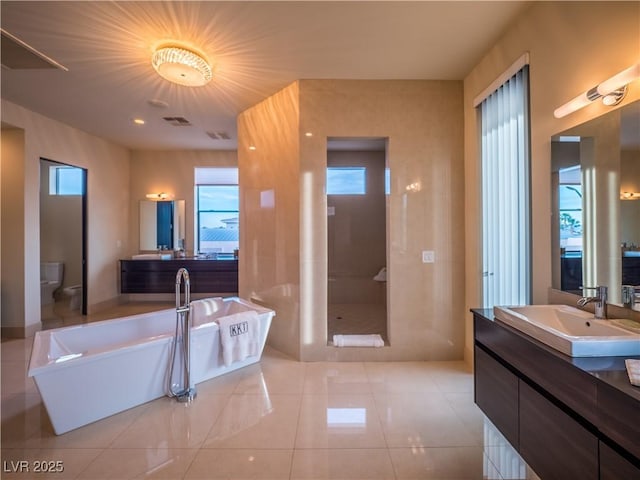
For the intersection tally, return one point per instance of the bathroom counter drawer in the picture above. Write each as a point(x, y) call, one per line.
point(159, 276)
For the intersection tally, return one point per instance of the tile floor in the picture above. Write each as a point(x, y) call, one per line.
point(280, 419)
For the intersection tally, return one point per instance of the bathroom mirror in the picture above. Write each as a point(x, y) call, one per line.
point(162, 224)
point(595, 178)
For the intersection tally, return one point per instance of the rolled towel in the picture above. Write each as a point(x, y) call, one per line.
point(373, 340)
point(633, 370)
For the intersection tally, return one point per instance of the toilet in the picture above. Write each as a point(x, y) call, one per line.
point(50, 280)
point(75, 294)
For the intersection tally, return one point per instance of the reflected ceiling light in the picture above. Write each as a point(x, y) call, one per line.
point(612, 91)
point(629, 195)
point(182, 66)
point(138, 121)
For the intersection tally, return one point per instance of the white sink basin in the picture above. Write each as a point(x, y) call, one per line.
point(571, 331)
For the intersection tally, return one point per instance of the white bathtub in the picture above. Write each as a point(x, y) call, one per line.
point(88, 372)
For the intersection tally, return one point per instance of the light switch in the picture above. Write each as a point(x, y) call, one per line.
point(428, 256)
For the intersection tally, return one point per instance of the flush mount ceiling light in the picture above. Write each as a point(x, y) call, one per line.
point(612, 91)
point(182, 66)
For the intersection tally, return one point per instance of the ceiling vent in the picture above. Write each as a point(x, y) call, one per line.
point(219, 135)
point(17, 55)
point(178, 121)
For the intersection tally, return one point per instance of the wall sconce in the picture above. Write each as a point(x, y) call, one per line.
point(629, 195)
point(157, 196)
point(612, 91)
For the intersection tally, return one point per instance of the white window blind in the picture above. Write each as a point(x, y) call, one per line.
point(506, 225)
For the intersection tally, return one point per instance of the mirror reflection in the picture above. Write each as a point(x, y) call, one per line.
point(162, 225)
point(596, 203)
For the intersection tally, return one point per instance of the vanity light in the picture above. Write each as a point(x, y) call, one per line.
point(157, 196)
point(629, 195)
point(612, 91)
point(182, 66)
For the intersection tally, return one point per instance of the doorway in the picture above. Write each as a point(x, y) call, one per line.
point(357, 186)
point(63, 212)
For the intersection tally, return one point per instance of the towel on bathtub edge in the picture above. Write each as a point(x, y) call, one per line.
point(239, 336)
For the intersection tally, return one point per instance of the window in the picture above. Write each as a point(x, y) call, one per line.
point(506, 230)
point(570, 211)
point(65, 180)
point(346, 180)
point(217, 212)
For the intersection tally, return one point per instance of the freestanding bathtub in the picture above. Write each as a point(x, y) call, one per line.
point(91, 371)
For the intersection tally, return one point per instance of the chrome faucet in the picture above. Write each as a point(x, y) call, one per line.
point(630, 295)
point(600, 300)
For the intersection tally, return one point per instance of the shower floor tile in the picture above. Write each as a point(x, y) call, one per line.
point(356, 319)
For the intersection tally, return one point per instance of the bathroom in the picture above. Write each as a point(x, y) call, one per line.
point(62, 241)
point(431, 149)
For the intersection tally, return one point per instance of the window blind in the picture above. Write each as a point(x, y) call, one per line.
point(505, 169)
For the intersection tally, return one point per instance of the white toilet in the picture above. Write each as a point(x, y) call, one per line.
point(75, 294)
point(50, 280)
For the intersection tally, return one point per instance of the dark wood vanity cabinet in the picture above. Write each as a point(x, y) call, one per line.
point(565, 422)
point(159, 276)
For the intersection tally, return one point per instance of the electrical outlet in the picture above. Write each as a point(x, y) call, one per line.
point(428, 256)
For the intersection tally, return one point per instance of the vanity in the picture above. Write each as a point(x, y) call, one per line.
point(568, 417)
point(159, 276)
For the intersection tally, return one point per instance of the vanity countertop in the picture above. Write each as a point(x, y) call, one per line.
point(610, 370)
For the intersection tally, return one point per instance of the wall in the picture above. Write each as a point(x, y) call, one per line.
point(270, 216)
point(583, 44)
point(423, 121)
point(13, 233)
point(61, 229)
point(170, 171)
point(630, 209)
point(107, 205)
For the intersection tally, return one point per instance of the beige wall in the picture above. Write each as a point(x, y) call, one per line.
point(270, 215)
point(170, 171)
point(423, 121)
point(12, 232)
point(107, 205)
point(573, 46)
point(630, 209)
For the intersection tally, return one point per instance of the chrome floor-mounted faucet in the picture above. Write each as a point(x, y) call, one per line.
point(600, 300)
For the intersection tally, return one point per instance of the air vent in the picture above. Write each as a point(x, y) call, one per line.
point(177, 121)
point(219, 135)
point(17, 55)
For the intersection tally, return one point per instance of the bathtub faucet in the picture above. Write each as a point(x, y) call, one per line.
point(600, 301)
point(186, 391)
point(183, 274)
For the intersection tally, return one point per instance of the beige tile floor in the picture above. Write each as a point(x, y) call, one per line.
point(280, 419)
point(356, 318)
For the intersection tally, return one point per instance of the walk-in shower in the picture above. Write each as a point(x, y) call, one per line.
point(357, 183)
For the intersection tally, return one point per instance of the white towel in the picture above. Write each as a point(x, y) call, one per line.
point(373, 340)
point(633, 370)
point(239, 335)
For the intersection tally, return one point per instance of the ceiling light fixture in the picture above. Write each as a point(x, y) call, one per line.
point(612, 91)
point(182, 66)
point(157, 196)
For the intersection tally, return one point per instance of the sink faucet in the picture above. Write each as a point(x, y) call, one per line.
point(600, 300)
point(630, 295)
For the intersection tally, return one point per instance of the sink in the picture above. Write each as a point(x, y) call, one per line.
point(571, 331)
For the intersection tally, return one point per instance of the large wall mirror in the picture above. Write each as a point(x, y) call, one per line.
point(596, 203)
point(162, 225)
